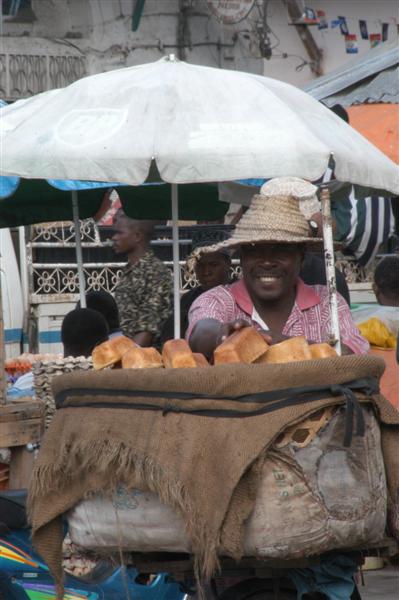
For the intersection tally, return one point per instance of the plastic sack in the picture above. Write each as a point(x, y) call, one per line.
point(314, 495)
point(377, 333)
point(389, 315)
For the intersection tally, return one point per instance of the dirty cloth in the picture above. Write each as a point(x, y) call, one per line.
point(197, 441)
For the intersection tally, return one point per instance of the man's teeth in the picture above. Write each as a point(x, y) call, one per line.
point(267, 279)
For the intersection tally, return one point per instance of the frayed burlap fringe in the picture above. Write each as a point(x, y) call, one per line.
point(117, 465)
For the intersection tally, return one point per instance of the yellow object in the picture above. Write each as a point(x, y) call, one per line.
point(377, 333)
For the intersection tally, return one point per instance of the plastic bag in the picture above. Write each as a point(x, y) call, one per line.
point(377, 333)
point(389, 315)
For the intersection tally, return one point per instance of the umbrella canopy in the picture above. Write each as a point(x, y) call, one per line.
point(198, 124)
point(189, 124)
point(31, 201)
point(379, 123)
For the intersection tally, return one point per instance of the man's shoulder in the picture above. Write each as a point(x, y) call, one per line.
point(219, 293)
point(149, 258)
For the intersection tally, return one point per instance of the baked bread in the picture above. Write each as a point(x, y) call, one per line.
point(242, 346)
point(141, 358)
point(322, 351)
point(290, 350)
point(110, 352)
point(200, 360)
point(176, 354)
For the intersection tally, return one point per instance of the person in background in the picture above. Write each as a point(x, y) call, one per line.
point(144, 294)
point(105, 304)
point(82, 330)
point(386, 281)
point(272, 237)
point(313, 272)
point(362, 225)
point(211, 269)
point(386, 289)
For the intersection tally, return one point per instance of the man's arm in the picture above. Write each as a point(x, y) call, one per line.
point(143, 338)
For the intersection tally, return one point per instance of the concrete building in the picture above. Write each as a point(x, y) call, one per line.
point(50, 43)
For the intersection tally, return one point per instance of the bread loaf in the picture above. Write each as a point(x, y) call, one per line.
point(243, 346)
point(110, 352)
point(200, 360)
point(142, 358)
point(177, 354)
point(290, 350)
point(322, 351)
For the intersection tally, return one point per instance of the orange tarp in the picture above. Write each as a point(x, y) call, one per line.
point(389, 383)
point(379, 123)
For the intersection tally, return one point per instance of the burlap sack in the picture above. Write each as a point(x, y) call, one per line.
point(195, 437)
point(313, 496)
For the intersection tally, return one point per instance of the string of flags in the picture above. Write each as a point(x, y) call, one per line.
point(312, 16)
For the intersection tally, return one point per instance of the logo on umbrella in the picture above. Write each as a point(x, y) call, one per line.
point(101, 123)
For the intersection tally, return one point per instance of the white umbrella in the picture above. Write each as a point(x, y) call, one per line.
point(198, 124)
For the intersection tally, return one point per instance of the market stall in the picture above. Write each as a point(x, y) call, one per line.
point(190, 124)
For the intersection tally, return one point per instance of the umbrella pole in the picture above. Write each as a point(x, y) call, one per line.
point(79, 256)
point(330, 268)
point(23, 268)
point(3, 386)
point(176, 265)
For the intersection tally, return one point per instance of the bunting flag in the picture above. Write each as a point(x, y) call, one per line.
point(363, 30)
point(309, 16)
point(318, 17)
point(343, 25)
point(335, 23)
point(323, 23)
point(375, 39)
point(351, 44)
point(384, 34)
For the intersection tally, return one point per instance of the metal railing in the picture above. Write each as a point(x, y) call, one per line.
point(56, 281)
point(23, 75)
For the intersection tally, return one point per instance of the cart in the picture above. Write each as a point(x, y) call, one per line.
point(252, 578)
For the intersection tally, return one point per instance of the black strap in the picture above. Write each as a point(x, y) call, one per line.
point(366, 385)
point(352, 408)
point(270, 401)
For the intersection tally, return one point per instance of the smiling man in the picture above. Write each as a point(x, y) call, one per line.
point(272, 237)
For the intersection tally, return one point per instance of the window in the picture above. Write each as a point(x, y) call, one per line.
point(17, 11)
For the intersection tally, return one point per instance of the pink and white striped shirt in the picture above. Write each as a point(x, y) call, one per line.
point(310, 315)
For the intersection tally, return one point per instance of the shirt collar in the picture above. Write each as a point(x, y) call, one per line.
point(306, 297)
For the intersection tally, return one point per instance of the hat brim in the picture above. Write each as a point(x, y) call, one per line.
point(314, 243)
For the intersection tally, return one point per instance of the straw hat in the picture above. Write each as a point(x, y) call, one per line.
point(279, 214)
point(202, 247)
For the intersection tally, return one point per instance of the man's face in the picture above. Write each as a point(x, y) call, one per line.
point(212, 269)
point(126, 236)
point(270, 271)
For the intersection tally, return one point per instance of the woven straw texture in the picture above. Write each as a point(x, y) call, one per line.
point(289, 186)
point(270, 219)
point(45, 371)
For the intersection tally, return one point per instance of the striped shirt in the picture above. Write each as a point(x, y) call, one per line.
point(309, 317)
point(362, 224)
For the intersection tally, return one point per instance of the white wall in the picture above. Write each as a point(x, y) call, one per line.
point(101, 30)
point(331, 41)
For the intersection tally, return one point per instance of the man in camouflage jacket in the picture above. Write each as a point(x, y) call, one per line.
point(144, 294)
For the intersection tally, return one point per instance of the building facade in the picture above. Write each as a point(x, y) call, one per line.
point(50, 43)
